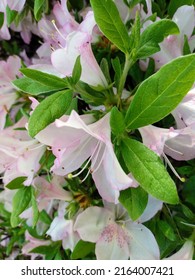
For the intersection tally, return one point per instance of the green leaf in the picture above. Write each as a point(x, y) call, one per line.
point(186, 46)
point(1, 19)
point(32, 87)
point(117, 69)
point(45, 218)
point(135, 201)
point(105, 69)
point(117, 122)
point(157, 96)
point(167, 230)
point(51, 108)
point(10, 15)
point(135, 33)
point(153, 35)
point(20, 202)
point(34, 208)
point(38, 8)
point(77, 70)
point(44, 78)
point(148, 170)
point(73, 106)
point(16, 183)
point(109, 21)
point(175, 4)
point(82, 249)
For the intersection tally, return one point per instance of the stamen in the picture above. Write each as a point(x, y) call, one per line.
point(100, 161)
point(81, 171)
point(89, 171)
point(172, 168)
point(56, 28)
point(174, 150)
point(52, 48)
point(37, 147)
point(9, 153)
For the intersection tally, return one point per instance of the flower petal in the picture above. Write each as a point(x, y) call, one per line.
point(113, 243)
point(91, 222)
point(143, 245)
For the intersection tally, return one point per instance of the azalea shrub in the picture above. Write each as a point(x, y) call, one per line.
point(97, 129)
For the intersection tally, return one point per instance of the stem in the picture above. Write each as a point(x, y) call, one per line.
point(128, 63)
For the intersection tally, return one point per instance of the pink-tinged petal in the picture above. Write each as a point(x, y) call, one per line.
point(66, 132)
point(154, 137)
point(52, 190)
point(6, 197)
point(28, 162)
point(33, 243)
point(78, 43)
point(153, 206)
point(185, 253)
point(108, 182)
point(185, 23)
point(170, 49)
point(72, 157)
point(4, 32)
point(16, 5)
point(63, 16)
point(184, 113)
point(58, 228)
point(3, 4)
point(91, 223)
point(34, 104)
point(13, 66)
point(143, 245)
point(182, 147)
point(72, 238)
point(88, 23)
point(113, 243)
point(192, 43)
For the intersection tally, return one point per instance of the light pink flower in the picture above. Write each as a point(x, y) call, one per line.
point(19, 154)
point(182, 147)
point(154, 137)
point(33, 243)
point(115, 235)
point(8, 71)
point(73, 142)
point(79, 43)
point(172, 46)
point(62, 229)
point(184, 113)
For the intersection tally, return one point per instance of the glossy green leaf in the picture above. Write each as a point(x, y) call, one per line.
point(157, 96)
point(1, 19)
point(82, 249)
point(38, 8)
point(10, 15)
point(153, 35)
point(32, 87)
point(77, 70)
point(51, 108)
point(167, 230)
point(16, 183)
point(135, 201)
point(20, 202)
point(109, 21)
point(149, 171)
point(44, 78)
point(117, 122)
